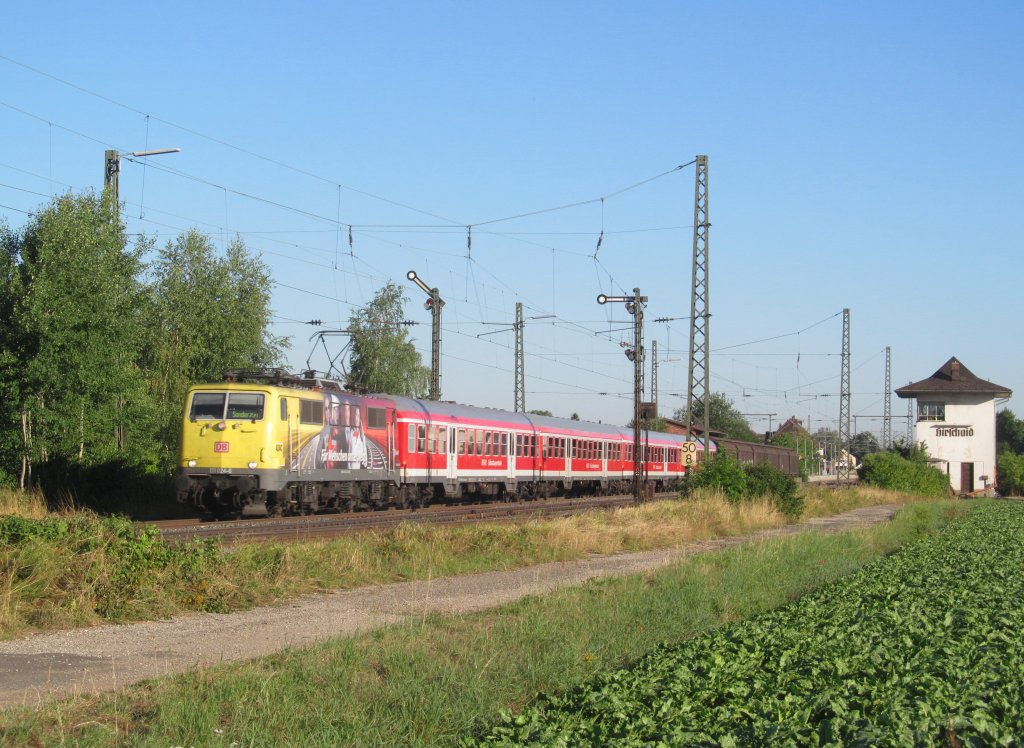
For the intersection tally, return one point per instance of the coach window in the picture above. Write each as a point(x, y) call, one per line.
point(412, 437)
point(432, 440)
point(504, 445)
point(461, 439)
point(487, 444)
point(421, 438)
point(442, 439)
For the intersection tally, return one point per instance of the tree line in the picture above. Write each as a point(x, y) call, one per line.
point(1010, 457)
point(103, 334)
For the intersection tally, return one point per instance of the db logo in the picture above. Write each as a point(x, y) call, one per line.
point(221, 446)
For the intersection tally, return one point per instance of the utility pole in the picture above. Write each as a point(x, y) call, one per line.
point(520, 386)
point(887, 410)
point(433, 304)
point(112, 182)
point(698, 388)
point(635, 306)
point(843, 465)
point(112, 167)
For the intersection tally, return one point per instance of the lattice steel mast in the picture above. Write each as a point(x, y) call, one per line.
point(654, 376)
point(698, 388)
point(520, 386)
point(843, 464)
point(887, 410)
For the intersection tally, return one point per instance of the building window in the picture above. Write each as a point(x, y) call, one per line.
point(931, 411)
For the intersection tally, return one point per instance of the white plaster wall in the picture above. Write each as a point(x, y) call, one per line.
point(971, 411)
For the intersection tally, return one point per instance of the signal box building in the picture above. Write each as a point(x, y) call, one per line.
point(956, 421)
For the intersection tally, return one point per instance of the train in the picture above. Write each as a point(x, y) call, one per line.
point(272, 443)
point(783, 458)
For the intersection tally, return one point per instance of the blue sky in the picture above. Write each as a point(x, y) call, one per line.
point(861, 155)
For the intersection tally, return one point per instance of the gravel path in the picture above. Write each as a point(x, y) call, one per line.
point(108, 657)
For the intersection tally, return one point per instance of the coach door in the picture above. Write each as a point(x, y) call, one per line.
point(451, 469)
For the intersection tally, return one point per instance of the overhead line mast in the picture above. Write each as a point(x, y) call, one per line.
point(520, 386)
point(843, 464)
point(887, 418)
point(698, 388)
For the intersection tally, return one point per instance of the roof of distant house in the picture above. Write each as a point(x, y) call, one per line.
point(953, 377)
point(793, 425)
point(680, 427)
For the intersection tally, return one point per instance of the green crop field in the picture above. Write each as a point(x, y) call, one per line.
point(925, 647)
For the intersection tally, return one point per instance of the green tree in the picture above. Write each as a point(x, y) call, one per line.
point(1010, 474)
point(864, 443)
point(207, 314)
point(71, 295)
point(1009, 432)
point(723, 416)
point(540, 413)
point(651, 424)
point(383, 359)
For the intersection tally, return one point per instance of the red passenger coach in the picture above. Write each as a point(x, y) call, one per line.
point(456, 451)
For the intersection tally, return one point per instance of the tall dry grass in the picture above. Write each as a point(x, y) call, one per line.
point(825, 501)
point(30, 504)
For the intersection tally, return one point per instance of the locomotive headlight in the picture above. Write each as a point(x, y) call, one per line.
point(252, 465)
point(191, 463)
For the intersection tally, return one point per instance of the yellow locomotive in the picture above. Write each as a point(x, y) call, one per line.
point(273, 443)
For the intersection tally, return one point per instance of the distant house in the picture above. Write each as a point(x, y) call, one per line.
point(956, 420)
point(679, 427)
point(794, 426)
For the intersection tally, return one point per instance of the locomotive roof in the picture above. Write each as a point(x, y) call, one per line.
point(458, 411)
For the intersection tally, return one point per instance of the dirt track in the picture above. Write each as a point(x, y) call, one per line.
point(108, 657)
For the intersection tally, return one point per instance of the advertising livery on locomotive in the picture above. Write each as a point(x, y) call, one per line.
point(275, 443)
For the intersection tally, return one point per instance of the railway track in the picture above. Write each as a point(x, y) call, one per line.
point(324, 526)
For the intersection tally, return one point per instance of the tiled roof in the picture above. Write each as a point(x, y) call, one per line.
point(793, 425)
point(953, 377)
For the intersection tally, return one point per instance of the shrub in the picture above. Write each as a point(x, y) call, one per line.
point(890, 470)
point(743, 482)
point(724, 473)
point(767, 480)
point(1010, 474)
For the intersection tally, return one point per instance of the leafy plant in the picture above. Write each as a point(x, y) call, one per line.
point(921, 648)
point(890, 470)
point(722, 472)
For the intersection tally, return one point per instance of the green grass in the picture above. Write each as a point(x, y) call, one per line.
point(432, 680)
point(77, 569)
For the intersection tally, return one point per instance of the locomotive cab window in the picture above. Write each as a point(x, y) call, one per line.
point(239, 406)
point(207, 405)
point(245, 406)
